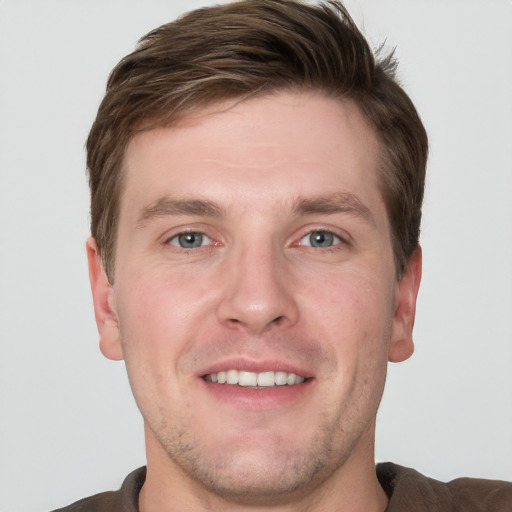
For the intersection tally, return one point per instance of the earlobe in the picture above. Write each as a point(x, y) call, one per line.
point(104, 304)
point(402, 345)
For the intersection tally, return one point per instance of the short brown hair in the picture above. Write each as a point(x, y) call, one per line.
point(254, 47)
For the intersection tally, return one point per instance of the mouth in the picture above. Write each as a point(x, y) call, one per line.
point(255, 380)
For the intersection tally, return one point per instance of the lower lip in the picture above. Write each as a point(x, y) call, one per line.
point(258, 399)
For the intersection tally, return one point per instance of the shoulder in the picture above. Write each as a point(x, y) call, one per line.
point(408, 488)
point(125, 499)
point(103, 502)
point(479, 494)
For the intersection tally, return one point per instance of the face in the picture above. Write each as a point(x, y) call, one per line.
point(254, 248)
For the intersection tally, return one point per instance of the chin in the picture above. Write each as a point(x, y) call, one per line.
point(258, 481)
point(265, 472)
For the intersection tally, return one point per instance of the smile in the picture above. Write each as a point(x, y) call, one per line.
point(252, 379)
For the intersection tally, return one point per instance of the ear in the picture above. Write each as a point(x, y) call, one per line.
point(104, 304)
point(402, 345)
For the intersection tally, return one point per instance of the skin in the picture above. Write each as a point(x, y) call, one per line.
point(270, 171)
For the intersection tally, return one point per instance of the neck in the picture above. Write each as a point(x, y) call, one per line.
point(353, 487)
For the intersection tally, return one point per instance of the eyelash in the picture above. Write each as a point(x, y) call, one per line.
point(336, 240)
point(176, 237)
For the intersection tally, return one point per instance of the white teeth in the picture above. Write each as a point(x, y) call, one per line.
point(281, 378)
point(232, 377)
point(266, 379)
point(262, 379)
point(247, 378)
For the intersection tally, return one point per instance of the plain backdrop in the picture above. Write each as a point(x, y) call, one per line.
point(68, 424)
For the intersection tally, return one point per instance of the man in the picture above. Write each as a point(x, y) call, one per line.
point(256, 187)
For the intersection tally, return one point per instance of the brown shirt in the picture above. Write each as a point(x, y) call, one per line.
point(408, 491)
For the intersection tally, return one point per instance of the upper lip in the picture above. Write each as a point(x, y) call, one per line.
point(249, 365)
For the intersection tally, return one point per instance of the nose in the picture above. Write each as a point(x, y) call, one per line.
point(257, 292)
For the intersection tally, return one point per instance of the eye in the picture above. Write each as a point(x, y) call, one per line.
point(320, 239)
point(190, 240)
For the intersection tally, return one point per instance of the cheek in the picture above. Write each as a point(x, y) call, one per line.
point(163, 317)
point(352, 312)
point(161, 301)
point(154, 334)
point(150, 317)
point(349, 302)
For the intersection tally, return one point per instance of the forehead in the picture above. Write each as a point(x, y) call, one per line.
point(279, 147)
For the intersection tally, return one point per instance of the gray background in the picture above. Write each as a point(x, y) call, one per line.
point(68, 425)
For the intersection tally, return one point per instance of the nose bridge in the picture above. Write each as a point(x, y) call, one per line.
point(257, 293)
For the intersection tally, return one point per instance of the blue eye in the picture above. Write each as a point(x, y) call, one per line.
point(320, 239)
point(190, 240)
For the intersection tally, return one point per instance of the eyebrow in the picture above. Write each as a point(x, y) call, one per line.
point(176, 206)
point(337, 202)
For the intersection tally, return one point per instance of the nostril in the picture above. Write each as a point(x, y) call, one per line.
point(235, 322)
